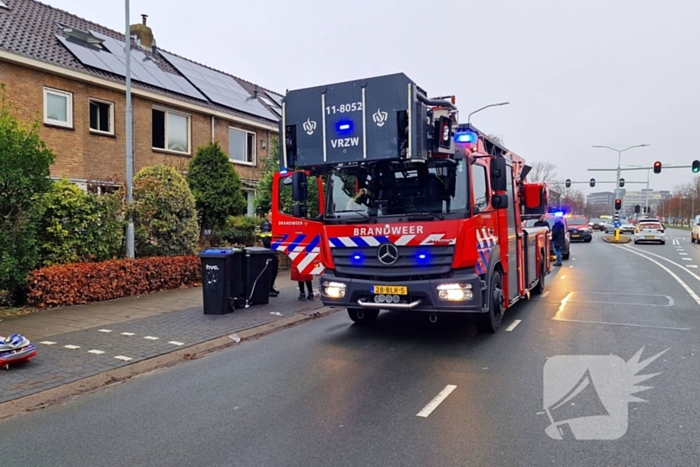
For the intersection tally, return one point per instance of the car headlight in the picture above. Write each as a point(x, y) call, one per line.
point(455, 292)
point(334, 289)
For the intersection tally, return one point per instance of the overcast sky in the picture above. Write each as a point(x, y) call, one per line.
point(576, 73)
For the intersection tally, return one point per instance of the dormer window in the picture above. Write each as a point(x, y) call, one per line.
point(81, 37)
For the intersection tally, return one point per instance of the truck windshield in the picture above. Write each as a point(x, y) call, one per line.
point(435, 187)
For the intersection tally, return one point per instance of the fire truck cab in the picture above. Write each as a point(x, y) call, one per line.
point(415, 211)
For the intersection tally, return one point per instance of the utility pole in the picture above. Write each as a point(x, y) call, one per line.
point(129, 137)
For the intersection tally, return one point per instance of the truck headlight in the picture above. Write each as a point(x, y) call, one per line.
point(334, 289)
point(455, 292)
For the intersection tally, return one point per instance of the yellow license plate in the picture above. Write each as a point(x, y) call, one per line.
point(575, 236)
point(650, 236)
point(390, 290)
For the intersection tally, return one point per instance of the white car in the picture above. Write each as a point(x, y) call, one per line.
point(650, 232)
point(695, 234)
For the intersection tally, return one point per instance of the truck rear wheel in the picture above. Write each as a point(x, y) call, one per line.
point(361, 316)
point(490, 322)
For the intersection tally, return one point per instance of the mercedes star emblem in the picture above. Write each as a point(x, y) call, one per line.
point(388, 254)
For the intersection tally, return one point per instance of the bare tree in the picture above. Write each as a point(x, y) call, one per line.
point(542, 172)
point(498, 139)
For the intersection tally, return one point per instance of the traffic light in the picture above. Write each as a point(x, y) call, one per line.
point(622, 182)
point(567, 183)
point(657, 167)
point(696, 167)
point(637, 208)
point(592, 182)
point(618, 204)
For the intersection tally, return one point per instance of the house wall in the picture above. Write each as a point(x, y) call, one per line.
point(84, 155)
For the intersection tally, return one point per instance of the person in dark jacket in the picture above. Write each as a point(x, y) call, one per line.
point(542, 222)
point(266, 236)
point(558, 239)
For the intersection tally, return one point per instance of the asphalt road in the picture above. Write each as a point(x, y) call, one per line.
point(329, 393)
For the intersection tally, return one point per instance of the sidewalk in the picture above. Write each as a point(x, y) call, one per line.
point(81, 341)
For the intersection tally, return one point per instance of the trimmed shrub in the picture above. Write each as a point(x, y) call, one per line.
point(215, 186)
point(76, 226)
point(239, 230)
point(73, 284)
point(165, 219)
point(24, 172)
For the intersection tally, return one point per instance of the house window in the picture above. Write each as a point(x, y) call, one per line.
point(241, 146)
point(101, 117)
point(58, 108)
point(171, 131)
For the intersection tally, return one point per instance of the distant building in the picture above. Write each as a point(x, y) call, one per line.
point(633, 198)
point(601, 203)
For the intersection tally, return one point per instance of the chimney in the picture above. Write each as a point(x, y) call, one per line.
point(143, 33)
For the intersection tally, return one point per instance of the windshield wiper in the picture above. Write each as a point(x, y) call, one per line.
point(432, 214)
point(356, 211)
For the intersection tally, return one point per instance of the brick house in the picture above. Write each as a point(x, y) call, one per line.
point(68, 74)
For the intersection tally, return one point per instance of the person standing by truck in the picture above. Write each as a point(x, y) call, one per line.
point(558, 239)
point(266, 237)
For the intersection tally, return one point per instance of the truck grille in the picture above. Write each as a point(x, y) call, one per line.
point(364, 263)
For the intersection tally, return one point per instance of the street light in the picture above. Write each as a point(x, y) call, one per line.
point(646, 196)
point(129, 137)
point(469, 117)
point(619, 158)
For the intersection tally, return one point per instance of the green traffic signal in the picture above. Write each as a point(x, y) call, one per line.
point(696, 167)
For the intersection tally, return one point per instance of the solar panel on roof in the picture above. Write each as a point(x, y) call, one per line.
point(219, 87)
point(276, 98)
point(144, 70)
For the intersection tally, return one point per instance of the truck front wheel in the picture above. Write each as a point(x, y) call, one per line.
point(490, 322)
point(361, 316)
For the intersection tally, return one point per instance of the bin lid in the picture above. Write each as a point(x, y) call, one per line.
point(258, 250)
point(219, 252)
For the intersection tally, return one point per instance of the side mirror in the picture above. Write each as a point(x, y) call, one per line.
point(499, 201)
point(498, 174)
point(287, 181)
point(299, 210)
point(299, 187)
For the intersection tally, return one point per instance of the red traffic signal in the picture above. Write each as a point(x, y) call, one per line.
point(657, 167)
point(618, 204)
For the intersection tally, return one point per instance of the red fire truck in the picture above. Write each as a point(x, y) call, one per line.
point(415, 211)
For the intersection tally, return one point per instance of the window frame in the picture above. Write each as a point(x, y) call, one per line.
point(69, 107)
point(487, 203)
point(111, 117)
point(254, 155)
point(167, 111)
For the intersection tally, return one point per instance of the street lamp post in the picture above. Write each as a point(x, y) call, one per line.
point(469, 117)
point(619, 159)
point(129, 136)
point(646, 193)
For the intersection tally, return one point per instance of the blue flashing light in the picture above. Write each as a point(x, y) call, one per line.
point(284, 171)
point(422, 257)
point(356, 258)
point(344, 127)
point(465, 137)
point(559, 214)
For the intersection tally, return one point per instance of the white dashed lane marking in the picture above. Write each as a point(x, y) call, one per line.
point(514, 325)
point(433, 404)
point(176, 343)
point(151, 338)
point(123, 358)
point(96, 352)
point(128, 334)
point(691, 266)
point(72, 347)
point(104, 330)
point(47, 343)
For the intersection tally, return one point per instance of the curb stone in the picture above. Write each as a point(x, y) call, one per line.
point(63, 393)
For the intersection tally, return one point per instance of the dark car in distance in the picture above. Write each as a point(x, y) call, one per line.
point(578, 229)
